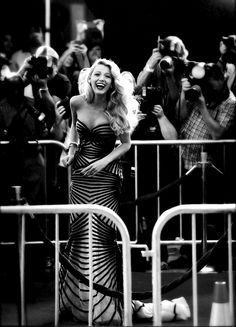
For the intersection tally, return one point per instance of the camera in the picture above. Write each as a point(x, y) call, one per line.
point(166, 62)
point(195, 73)
point(150, 97)
point(39, 66)
point(200, 77)
point(66, 104)
point(193, 93)
point(77, 42)
point(170, 58)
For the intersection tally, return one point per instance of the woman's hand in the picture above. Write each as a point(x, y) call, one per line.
point(67, 160)
point(94, 168)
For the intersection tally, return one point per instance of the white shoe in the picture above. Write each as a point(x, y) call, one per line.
point(143, 310)
point(177, 309)
point(182, 310)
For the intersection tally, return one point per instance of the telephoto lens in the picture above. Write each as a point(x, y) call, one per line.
point(166, 63)
point(193, 93)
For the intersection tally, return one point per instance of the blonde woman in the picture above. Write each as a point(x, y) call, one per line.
point(101, 115)
point(104, 113)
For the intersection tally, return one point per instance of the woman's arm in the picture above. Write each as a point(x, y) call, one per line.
point(121, 149)
point(75, 104)
point(118, 152)
point(73, 138)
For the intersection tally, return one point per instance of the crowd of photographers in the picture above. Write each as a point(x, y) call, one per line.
point(179, 99)
point(185, 99)
point(190, 100)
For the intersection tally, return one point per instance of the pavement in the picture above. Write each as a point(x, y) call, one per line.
point(40, 293)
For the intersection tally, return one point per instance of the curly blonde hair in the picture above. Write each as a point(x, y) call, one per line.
point(122, 108)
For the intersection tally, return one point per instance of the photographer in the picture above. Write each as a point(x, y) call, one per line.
point(72, 61)
point(159, 84)
point(163, 72)
point(20, 122)
point(209, 115)
point(49, 87)
point(80, 53)
point(56, 93)
point(227, 48)
point(207, 111)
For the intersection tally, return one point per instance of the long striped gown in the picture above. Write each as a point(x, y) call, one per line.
point(103, 188)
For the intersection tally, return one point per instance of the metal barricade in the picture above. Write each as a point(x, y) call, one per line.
point(135, 217)
point(179, 144)
point(156, 257)
point(47, 179)
point(136, 144)
point(60, 209)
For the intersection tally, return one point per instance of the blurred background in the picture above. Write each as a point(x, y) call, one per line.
point(131, 27)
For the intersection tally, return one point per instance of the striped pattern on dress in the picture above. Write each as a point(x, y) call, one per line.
point(104, 189)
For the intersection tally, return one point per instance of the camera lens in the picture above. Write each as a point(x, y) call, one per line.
point(166, 63)
point(193, 93)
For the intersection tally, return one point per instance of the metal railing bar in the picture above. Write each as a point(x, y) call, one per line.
point(194, 271)
point(155, 253)
point(90, 208)
point(230, 269)
point(57, 249)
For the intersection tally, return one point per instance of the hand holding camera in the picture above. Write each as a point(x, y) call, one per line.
point(191, 92)
point(78, 47)
point(39, 66)
point(63, 109)
point(167, 65)
point(186, 85)
point(158, 111)
point(191, 85)
point(154, 59)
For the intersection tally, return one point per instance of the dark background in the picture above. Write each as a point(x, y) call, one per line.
point(132, 26)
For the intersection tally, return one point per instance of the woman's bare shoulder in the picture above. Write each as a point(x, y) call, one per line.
point(77, 100)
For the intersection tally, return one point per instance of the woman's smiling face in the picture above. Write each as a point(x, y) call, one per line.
point(101, 79)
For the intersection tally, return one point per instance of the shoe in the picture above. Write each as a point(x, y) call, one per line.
point(177, 309)
point(182, 310)
point(142, 310)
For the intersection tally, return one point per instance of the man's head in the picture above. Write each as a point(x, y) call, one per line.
point(173, 46)
point(214, 78)
point(211, 80)
point(48, 52)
